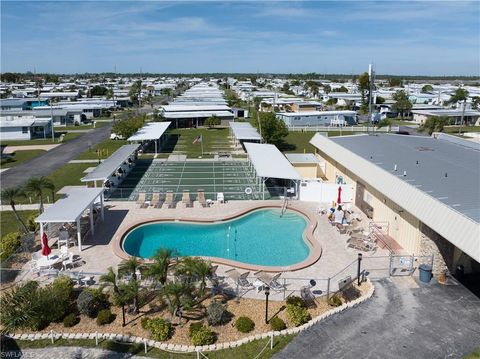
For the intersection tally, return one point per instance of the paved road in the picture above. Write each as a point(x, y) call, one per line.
point(53, 159)
point(430, 321)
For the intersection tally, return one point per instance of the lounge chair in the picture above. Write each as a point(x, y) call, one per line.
point(270, 280)
point(168, 200)
point(141, 201)
point(239, 279)
point(307, 296)
point(220, 197)
point(155, 202)
point(201, 201)
point(68, 262)
point(64, 239)
point(186, 198)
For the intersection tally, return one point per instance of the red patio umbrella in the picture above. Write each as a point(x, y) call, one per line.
point(339, 198)
point(45, 248)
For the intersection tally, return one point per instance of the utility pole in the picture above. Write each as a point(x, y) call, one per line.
point(371, 75)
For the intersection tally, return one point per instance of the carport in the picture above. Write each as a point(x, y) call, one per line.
point(152, 131)
point(243, 132)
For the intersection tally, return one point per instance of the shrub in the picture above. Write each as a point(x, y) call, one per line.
point(350, 293)
point(203, 336)
point(217, 314)
point(159, 329)
point(194, 327)
point(277, 324)
point(244, 324)
point(91, 301)
point(294, 300)
point(105, 316)
point(144, 322)
point(31, 224)
point(63, 285)
point(70, 320)
point(297, 315)
point(335, 301)
point(9, 244)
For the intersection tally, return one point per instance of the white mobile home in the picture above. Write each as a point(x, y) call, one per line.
point(24, 128)
point(318, 118)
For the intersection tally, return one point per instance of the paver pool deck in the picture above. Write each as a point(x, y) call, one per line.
point(98, 251)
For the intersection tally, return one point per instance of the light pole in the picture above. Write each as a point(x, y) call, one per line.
point(358, 268)
point(267, 293)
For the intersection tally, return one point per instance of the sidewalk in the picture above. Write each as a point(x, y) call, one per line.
point(12, 149)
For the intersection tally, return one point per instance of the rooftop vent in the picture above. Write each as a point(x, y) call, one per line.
point(404, 173)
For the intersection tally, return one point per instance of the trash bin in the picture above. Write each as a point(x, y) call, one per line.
point(425, 273)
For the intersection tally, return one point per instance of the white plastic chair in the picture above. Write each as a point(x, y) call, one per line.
point(68, 261)
point(220, 197)
point(64, 254)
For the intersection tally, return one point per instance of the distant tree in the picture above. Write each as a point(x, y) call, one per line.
point(434, 124)
point(109, 93)
point(256, 101)
point(36, 187)
point(380, 100)
point(476, 102)
point(460, 95)
point(427, 88)
point(272, 129)
point(327, 89)
point(342, 89)
point(129, 126)
point(295, 83)
point(402, 103)
point(383, 123)
point(212, 121)
point(314, 89)
point(52, 78)
point(395, 82)
point(364, 86)
point(331, 102)
point(135, 93)
point(98, 91)
point(10, 77)
point(286, 88)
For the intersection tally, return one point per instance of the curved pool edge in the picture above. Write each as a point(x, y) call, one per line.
point(313, 257)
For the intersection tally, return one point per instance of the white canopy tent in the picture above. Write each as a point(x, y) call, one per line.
point(109, 166)
point(269, 162)
point(71, 208)
point(152, 131)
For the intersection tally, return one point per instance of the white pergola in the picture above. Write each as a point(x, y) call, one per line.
point(152, 131)
point(109, 166)
point(243, 131)
point(269, 162)
point(71, 208)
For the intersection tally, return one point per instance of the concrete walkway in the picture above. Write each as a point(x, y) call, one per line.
point(52, 160)
point(13, 149)
point(404, 319)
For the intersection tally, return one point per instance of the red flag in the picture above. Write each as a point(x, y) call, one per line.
point(339, 198)
point(198, 139)
point(45, 248)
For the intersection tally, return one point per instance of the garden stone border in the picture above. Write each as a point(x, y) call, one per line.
point(182, 348)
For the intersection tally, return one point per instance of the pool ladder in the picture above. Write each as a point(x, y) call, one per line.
point(284, 206)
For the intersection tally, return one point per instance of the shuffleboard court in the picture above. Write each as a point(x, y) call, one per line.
point(235, 179)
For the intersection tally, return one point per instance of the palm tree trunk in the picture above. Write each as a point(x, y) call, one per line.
point(15, 213)
point(463, 115)
point(40, 209)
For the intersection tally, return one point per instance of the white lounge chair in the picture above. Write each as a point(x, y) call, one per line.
point(141, 200)
point(155, 202)
point(220, 197)
point(270, 280)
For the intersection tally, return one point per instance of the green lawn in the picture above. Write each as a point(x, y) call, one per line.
point(450, 129)
point(400, 122)
point(181, 142)
point(106, 148)
point(47, 141)
point(69, 175)
point(9, 223)
point(246, 351)
point(474, 355)
point(298, 142)
point(19, 157)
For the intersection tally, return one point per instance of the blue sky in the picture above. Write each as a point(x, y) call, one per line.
point(400, 37)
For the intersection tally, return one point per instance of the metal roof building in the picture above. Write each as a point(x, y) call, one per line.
point(435, 180)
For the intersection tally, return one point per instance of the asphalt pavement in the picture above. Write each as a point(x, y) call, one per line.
point(401, 320)
point(52, 160)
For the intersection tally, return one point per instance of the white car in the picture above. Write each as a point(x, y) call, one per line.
point(114, 136)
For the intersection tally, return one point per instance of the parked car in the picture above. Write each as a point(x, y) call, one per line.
point(114, 136)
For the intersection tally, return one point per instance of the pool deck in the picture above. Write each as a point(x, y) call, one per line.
point(99, 250)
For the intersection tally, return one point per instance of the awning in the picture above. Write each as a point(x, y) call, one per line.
point(269, 162)
point(111, 164)
point(151, 131)
point(244, 131)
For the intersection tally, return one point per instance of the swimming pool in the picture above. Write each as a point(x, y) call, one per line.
point(262, 237)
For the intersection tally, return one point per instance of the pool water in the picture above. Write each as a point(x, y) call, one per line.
point(262, 237)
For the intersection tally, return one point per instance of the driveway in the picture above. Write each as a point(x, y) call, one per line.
point(402, 320)
point(52, 160)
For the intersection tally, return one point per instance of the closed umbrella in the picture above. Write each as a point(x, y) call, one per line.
point(339, 198)
point(45, 248)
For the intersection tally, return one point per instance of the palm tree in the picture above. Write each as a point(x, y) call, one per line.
point(110, 278)
point(9, 194)
point(36, 186)
point(131, 266)
point(458, 96)
point(195, 269)
point(158, 270)
point(177, 295)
